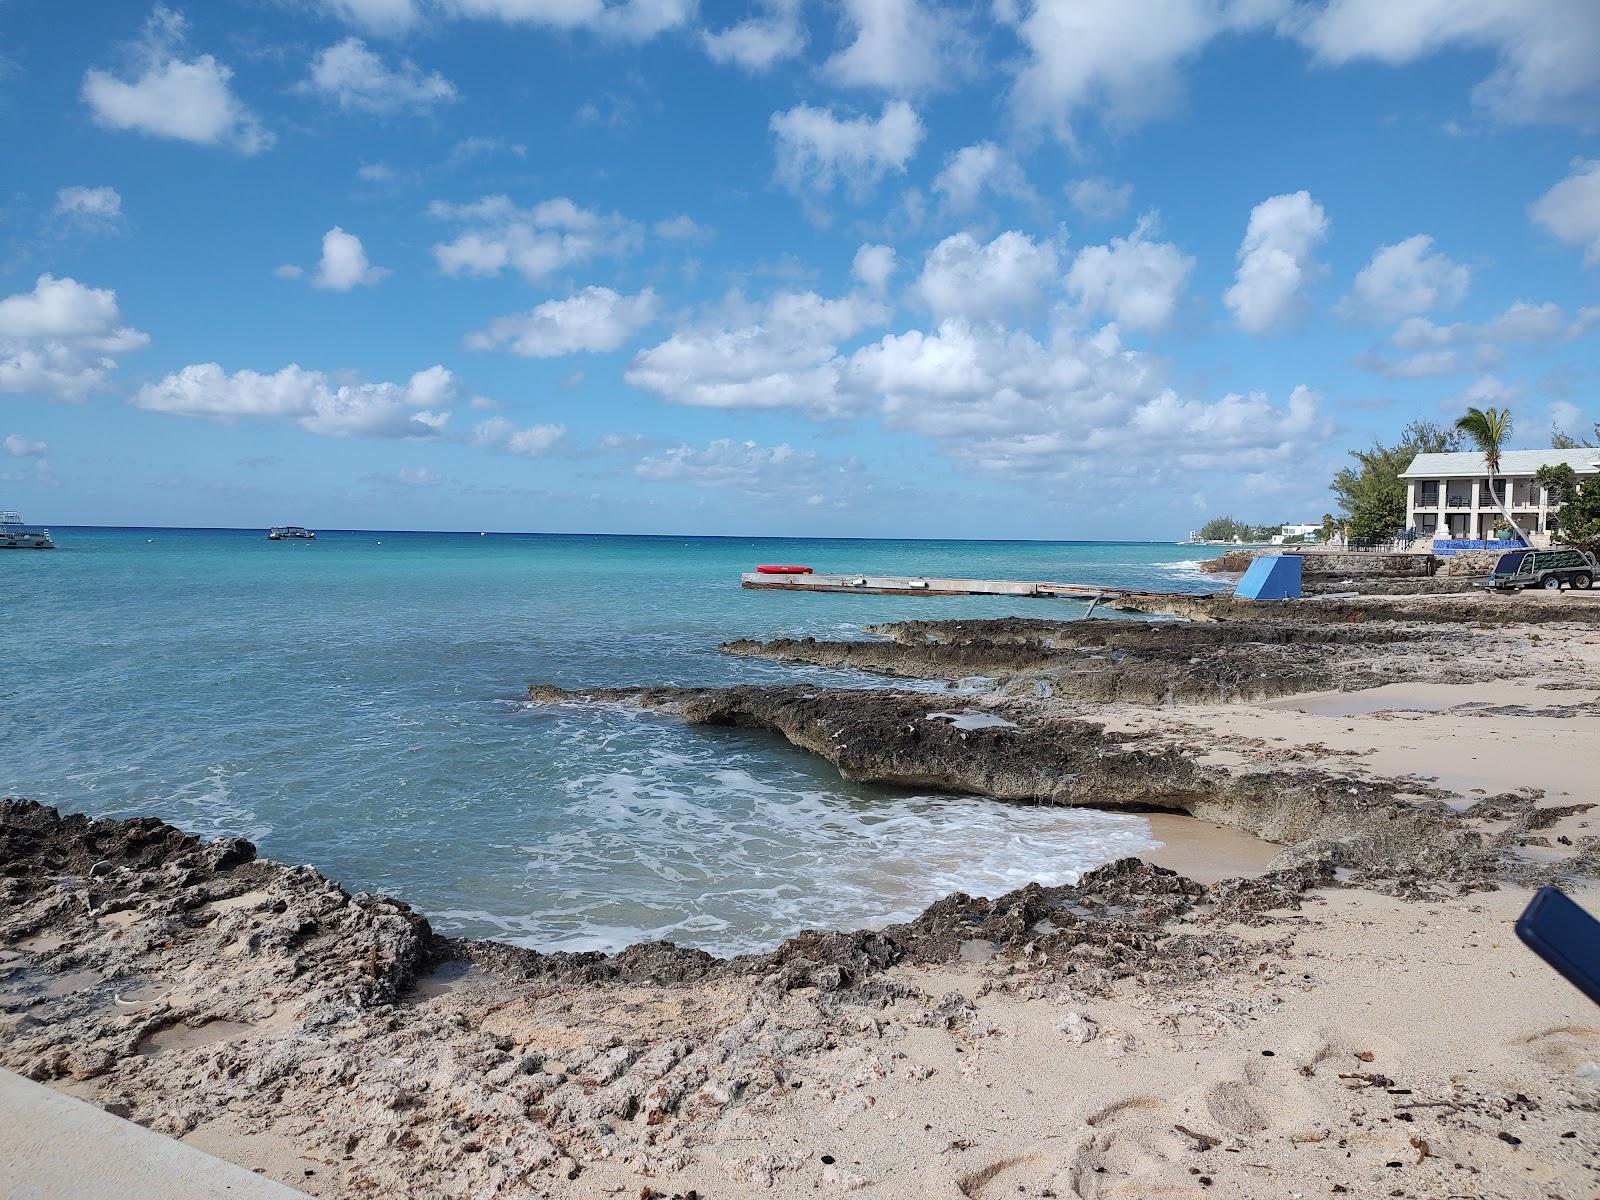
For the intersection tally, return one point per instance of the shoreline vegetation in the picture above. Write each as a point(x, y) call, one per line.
point(1312, 988)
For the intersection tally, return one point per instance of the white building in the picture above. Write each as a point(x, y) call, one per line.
point(1447, 495)
point(1308, 532)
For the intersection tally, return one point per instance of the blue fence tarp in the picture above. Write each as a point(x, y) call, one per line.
point(1445, 547)
point(1274, 578)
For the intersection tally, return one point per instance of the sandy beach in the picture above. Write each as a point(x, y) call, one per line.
point(1312, 988)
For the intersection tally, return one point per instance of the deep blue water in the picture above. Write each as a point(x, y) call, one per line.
point(356, 703)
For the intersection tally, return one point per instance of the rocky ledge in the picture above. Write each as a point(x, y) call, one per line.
point(194, 987)
point(1403, 833)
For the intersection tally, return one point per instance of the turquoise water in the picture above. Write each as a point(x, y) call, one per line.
point(356, 703)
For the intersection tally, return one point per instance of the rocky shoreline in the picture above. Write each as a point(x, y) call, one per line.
point(335, 1040)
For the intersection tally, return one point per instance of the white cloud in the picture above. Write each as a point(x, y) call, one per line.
point(900, 46)
point(1547, 51)
point(1133, 280)
point(967, 278)
point(1404, 280)
point(976, 169)
point(817, 150)
point(1428, 349)
point(357, 78)
point(384, 17)
point(18, 446)
point(415, 409)
point(289, 271)
point(535, 242)
point(530, 441)
point(411, 477)
point(1275, 259)
point(94, 205)
point(1077, 404)
point(873, 267)
point(596, 320)
point(174, 97)
point(344, 263)
point(682, 228)
point(1571, 209)
point(58, 340)
point(634, 20)
point(1099, 198)
point(783, 354)
point(793, 475)
point(757, 42)
point(1119, 58)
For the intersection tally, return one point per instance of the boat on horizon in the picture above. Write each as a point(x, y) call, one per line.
point(290, 533)
point(14, 535)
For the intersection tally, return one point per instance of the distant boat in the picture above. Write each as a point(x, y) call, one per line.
point(14, 535)
point(290, 533)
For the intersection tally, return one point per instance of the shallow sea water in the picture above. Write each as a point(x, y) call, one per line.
point(356, 703)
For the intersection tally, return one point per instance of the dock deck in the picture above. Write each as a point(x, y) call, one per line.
point(933, 585)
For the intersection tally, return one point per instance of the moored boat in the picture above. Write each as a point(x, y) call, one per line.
point(290, 533)
point(14, 535)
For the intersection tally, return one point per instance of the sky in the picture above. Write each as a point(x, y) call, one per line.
point(1053, 269)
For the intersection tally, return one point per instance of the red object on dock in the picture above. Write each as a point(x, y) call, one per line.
point(773, 569)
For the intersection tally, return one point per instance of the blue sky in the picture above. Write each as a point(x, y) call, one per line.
point(855, 267)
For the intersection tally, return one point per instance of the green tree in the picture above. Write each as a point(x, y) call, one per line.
point(1562, 440)
point(1578, 519)
point(1490, 429)
point(1371, 493)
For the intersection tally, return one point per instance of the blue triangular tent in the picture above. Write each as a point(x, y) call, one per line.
point(1274, 578)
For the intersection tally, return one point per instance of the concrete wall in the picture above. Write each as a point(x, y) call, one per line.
point(1337, 564)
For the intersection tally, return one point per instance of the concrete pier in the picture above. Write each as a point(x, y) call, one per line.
point(934, 585)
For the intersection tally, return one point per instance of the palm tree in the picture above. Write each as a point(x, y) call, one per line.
point(1490, 429)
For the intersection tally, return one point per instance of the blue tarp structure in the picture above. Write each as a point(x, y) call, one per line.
point(1276, 578)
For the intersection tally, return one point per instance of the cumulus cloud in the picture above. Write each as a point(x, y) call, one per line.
point(310, 399)
point(171, 96)
point(633, 20)
point(1003, 400)
point(382, 17)
point(1427, 349)
point(410, 477)
point(1117, 58)
point(1571, 209)
point(817, 150)
point(530, 441)
point(344, 263)
point(783, 354)
point(18, 446)
point(759, 41)
point(1099, 198)
point(975, 170)
point(1405, 280)
point(967, 278)
point(1275, 259)
point(682, 228)
point(1133, 280)
point(534, 242)
point(356, 78)
point(1547, 52)
point(900, 46)
point(93, 206)
point(873, 266)
point(596, 320)
point(58, 340)
point(780, 471)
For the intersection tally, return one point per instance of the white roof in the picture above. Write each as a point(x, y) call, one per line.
point(1469, 463)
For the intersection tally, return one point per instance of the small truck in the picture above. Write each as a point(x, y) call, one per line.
point(1547, 569)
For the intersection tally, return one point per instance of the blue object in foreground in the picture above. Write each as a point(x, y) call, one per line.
point(1275, 578)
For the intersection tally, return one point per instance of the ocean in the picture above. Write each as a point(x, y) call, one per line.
point(357, 703)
